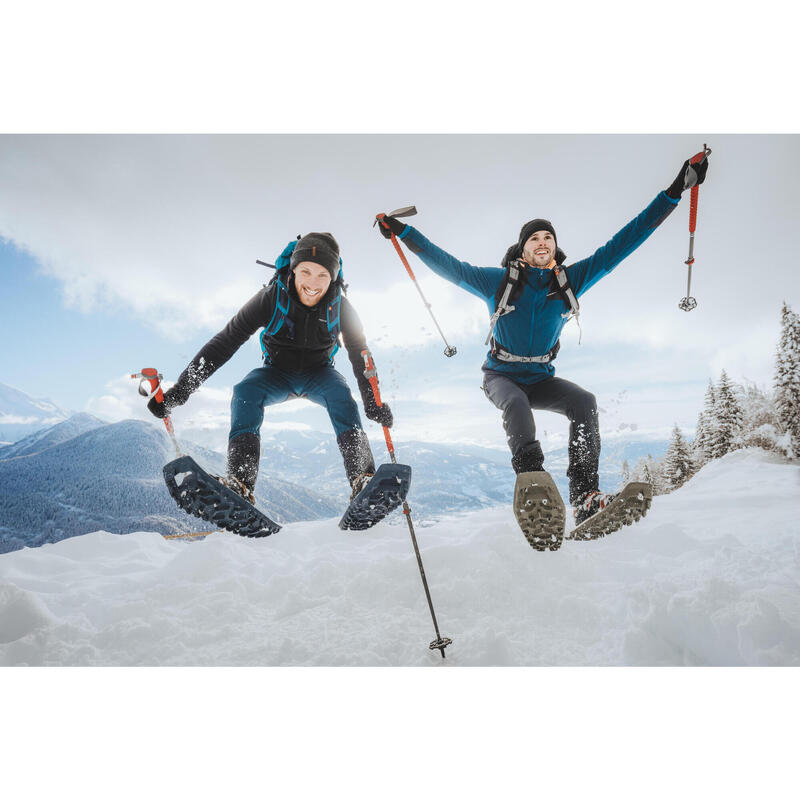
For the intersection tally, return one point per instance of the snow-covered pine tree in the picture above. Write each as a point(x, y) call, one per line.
point(626, 471)
point(677, 465)
point(760, 427)
point(650, 471)
point(729, 419)
point(787, 380)
point(706, 428)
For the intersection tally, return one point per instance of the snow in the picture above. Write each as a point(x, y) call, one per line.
point(709, 577)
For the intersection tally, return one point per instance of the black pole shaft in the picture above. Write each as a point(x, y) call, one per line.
point(407, 512)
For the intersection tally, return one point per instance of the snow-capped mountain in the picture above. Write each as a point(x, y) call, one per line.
point(22, 415)
point(81, 474)
point(50, 437)
point(709, 577)
point(446, 478)
point(110, 477)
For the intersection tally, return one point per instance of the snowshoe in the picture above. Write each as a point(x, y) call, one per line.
point(386, 490)
point(539, 510)
point(202, 495)
point(629, 506)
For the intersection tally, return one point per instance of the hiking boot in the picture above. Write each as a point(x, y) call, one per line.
point(592, 503)
point(241, 488)
point(359, 483)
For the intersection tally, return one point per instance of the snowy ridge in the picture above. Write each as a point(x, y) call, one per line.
point(50, 437)
point(710, 577)
point(109, 478)
point(22, 415)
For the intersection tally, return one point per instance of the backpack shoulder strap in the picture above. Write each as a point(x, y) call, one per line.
point(509, 289)
point(562, 285)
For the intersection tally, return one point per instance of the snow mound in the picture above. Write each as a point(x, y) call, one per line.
point(710, 577)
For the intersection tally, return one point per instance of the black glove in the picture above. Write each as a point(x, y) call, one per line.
point(173, 397)
point(395, 227)
point(380, 414)
point(689, 176)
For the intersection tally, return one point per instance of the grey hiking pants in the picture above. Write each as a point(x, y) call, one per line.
point(516, 400)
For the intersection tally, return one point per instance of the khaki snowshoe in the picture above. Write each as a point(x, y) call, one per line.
point(539, 510)
point(629, 506)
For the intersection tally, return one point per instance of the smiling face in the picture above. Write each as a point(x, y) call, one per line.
point(540, 250)
point(311, 281)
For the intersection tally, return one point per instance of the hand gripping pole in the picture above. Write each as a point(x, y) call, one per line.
point(153, 377)
point(371, 374)
point(409, 211)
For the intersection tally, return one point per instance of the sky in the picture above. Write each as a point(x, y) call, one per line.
point(125, 251)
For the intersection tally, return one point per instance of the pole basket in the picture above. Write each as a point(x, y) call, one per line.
point(440, 644)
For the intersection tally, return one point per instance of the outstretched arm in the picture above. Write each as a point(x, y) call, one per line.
point(584, 274)
point(482, 282)
point(216, 352)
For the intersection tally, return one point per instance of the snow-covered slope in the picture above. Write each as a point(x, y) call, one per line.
point(709, 577)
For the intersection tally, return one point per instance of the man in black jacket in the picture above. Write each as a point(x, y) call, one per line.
point(302, 312)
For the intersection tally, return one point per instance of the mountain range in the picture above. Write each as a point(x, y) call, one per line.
point(82, 474)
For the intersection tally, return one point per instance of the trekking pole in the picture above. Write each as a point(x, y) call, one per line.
point(688, 303)
point(409, 211)
point(154, 378)
point(371, 374)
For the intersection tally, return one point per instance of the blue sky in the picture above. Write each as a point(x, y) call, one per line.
point(128, 251)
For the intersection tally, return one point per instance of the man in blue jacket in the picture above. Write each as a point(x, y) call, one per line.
point(531, 297)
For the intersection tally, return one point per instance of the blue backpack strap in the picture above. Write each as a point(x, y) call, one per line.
point(281, 297)
point(333, 317)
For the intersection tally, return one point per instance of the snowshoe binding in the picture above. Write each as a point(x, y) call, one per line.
point(384, 491)
point(609, 513)
point(539, 510)
point(204, 496)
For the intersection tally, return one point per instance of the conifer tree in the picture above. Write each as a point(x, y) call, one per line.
point(706, 427)
point(729, 419)
point(787, 379)
point(677, 467)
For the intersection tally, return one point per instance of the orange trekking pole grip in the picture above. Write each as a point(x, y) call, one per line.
point(409, 211)
point(371, 374)
point(688, 303)
point(154, 377)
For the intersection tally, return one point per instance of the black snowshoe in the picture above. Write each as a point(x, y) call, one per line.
point(386, 490)
point(202, 495)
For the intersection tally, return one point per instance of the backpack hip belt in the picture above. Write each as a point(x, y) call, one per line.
point(503, 355)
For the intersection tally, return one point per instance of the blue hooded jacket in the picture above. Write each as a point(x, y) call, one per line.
point(535, 325)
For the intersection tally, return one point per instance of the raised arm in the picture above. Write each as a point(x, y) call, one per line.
point(482, 282)
point(584, 274)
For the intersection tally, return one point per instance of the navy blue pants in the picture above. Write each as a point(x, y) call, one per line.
point(267, 386)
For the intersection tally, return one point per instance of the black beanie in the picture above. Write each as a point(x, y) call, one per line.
point(528, 229)
point(321, 248)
